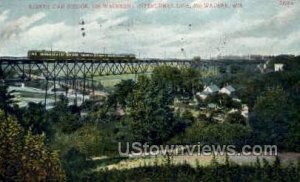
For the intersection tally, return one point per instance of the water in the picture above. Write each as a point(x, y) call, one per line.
point(37, 95)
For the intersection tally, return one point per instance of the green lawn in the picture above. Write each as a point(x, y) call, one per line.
point(110, 81)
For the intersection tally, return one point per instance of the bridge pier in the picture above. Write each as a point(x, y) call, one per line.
point(46, 93)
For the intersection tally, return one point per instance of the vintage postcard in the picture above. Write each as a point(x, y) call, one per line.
point(142, 90)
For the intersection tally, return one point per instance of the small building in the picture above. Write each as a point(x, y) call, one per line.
point(211, 89)
point(245, 111)
point(278, 67)
point(229, 90)
point(201, 95)
point(212, 106)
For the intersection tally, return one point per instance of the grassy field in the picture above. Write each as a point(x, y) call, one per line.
point(195, 160)
point(110, 81)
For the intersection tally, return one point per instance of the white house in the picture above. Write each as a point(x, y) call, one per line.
point(245, 111)
point(211, 89)
point(229, 90)
point(201, 95)
point(278, 67)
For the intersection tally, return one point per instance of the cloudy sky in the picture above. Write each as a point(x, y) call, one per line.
point(193, 29)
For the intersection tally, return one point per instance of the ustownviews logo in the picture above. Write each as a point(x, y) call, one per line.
point(140, 149)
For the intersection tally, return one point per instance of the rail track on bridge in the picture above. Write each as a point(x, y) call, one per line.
point(80, 74)
point(20, 67)
point(17, 68)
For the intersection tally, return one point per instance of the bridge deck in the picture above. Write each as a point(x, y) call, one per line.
point(53, 69)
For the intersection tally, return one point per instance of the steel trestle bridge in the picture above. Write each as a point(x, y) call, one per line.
point(80, 74)
point(23, 68)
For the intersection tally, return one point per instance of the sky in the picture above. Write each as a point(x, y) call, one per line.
point(151, 28)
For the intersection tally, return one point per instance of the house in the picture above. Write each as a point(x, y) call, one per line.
point(229, 90)
point(211, 89)
point(201, 95)
point(278, 67)
point(264, 68)
point(245, 111)
point(212, 106)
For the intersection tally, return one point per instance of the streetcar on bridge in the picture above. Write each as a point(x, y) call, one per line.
point(63, 55)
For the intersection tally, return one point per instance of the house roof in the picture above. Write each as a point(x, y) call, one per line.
point(212, 105)
point(201, 93)
point(213, 88)
point(229, 88)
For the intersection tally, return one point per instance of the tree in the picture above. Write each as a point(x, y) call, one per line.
point(68, 118)
point(272, 116)
point(10, 147)
point(188, 117)
point(35, 118)
point(76, 164)
point(222, 69)
point(215, 133)
point(25, 157)
point(150, 117)
point(235, 118)
point(167, 76)
point(122, 92)
point(6, 99)
point(235, 69)
point(191, 81)
point(184, 82)
point(293, 137)
point(39, 163)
